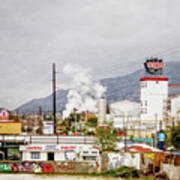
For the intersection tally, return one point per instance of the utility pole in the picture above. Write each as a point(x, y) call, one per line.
point(54, 95)
point(125, 129)
point(75, 116)
point(40, 111)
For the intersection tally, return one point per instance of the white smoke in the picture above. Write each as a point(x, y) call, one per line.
point(85, 92)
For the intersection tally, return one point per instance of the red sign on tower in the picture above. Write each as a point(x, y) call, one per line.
point(154, 66)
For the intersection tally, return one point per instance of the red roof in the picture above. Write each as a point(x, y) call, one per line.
point(139, 149)
point(160, 78)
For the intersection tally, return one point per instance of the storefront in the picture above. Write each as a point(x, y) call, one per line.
point(9, 150)
point(59, 152)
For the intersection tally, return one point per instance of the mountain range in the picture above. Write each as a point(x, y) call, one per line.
point(118, 88)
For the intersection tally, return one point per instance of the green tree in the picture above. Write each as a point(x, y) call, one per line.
point(106, 137)
point(13, 116)
point(92, 121)
point(175, 137)
point(168, 142)
point(70, 120)
point(48, 118)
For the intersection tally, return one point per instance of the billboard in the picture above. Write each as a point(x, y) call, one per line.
point(48, 127)
point(10, 127)
point(154, 66)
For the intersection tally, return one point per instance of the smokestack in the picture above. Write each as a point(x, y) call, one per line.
point(102, 109)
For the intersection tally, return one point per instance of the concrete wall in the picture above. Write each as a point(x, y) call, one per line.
point(59, 155)
point(50, 167)
point(173, 172)
point(116, 160)
point(148, 163)
point(26, 156)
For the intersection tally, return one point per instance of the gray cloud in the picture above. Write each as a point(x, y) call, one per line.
point(110, 36)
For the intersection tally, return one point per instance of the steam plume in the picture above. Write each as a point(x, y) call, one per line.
point(85, 92)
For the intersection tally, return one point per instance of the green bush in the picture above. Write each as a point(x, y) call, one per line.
point(92, 121)
point(175, 137)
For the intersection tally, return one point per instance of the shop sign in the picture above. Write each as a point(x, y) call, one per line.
point(38, 148)
point(10, 145)
point(50, 148)
point(68, 147)
point(150, 140)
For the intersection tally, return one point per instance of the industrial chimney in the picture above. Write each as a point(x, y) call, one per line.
point(102, 108)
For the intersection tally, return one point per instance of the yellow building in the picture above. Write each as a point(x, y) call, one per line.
point(10, 127)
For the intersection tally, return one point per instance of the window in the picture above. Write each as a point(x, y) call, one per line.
point(146, 102)
point(89, 158)
point(141, 103)
point(35, 155)
point(85, 152)
point(94, 152)
point(144, 110)
point(157, 82)
point(143, 84)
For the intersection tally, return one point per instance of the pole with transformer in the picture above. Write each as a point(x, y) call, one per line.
point(54, 95)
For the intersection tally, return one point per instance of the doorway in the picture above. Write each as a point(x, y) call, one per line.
point(2, 156)
point(50, 156)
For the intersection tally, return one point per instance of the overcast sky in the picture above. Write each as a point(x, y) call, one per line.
point(112, 37)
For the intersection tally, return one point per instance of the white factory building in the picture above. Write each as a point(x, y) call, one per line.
point(155, 109)
point(175, 106)
point(125, 113)
point(172, 110)
point(153, 95)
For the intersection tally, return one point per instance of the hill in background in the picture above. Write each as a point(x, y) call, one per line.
point(118, 88)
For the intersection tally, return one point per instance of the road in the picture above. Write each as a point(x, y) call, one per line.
point(51, 177)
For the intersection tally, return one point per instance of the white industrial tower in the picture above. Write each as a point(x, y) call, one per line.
point(153, 93)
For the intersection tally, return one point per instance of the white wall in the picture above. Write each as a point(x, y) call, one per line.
point(154, 93)
point(59, 156)
point(26, 156)
point(123, 113)
point(117, 160)
point(175, 106)
point(102, 103)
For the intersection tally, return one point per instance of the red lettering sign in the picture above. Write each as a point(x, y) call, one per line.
point(67, 147)
point(35, 148)
point(155, 65)
point(95, 147)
